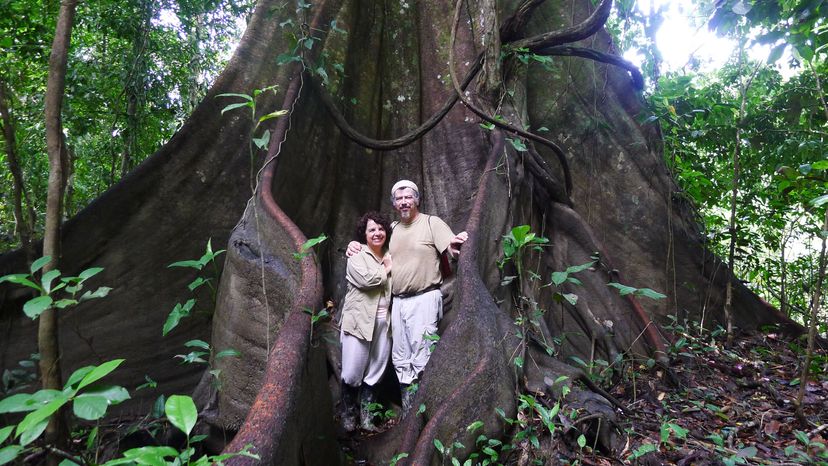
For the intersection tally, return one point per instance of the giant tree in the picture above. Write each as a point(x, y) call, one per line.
point(505, 114)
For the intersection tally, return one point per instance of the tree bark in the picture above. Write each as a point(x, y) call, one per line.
point(48, 339)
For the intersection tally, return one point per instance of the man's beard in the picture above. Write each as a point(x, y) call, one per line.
point(405, 214)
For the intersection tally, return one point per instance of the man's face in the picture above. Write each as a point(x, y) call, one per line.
point(406, 204)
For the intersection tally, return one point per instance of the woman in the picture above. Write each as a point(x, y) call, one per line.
point(364, 335)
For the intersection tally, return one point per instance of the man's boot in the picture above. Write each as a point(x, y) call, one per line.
point(407, 393)
point(368, 397)
point(348, 406)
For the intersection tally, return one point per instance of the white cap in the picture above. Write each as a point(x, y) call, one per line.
point(404, 184)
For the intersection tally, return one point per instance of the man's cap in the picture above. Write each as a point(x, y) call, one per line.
point(404, 184)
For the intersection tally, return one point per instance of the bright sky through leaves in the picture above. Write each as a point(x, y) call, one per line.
point(684, 36)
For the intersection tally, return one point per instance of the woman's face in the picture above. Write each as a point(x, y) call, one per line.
point(374, 234)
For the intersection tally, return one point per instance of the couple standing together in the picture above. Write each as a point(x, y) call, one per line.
point(403, 267)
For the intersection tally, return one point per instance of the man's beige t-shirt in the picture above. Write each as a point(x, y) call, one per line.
point(416, 248)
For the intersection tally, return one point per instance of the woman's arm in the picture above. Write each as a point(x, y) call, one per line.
point(364, 272)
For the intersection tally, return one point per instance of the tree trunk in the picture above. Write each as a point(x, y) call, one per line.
point(48, 340)
point(24, 216)
point(600, 186)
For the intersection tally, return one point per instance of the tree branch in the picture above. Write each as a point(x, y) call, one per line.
point(513, 26)
point(571, 34)
point(583, 52)
point(390, 144)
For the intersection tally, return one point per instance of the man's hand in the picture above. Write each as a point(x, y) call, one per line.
point(457, 242)
point(353, 249)
point(386, 262)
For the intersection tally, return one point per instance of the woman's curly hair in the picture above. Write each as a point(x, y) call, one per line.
point(379, 219)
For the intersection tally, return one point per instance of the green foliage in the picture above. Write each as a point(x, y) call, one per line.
point(88, 398)
point(49, 297)
point(136, 69)
point(181, 311)
point(306, 247)
point(516, 242)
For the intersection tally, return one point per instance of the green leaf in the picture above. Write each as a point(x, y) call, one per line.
point(31, 421)
point(623, 290)
point(227, 353)
point(518, 145)
point(231, 94)
point(579, 268)
point(99, 372)
point(99, 293)
point(39, 264)
point(571, 298)
point(18, 403)
point(262, 141)
point(181, 412)
point(68, 462)
point(474, 426)
point(313, 242)
point(272, 115)
point(198, 344)
point(20, 279)
point(649, 293)
point(9, 453)
point(32, 434)
point(189, 263)
point(235, 106)
point(5, 432)
point(64, 303)
point(36, 306)
point(581, 441)
point(439, 446)
point(114, 394)
point(89, 407)
point(820, 201)
point(47, 278)
point(78, 375)
point(558, 278)
point(90, 272)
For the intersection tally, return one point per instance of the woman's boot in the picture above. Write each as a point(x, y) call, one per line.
point(348, 405)
point(368, 398)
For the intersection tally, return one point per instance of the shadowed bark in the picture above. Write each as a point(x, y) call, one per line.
point(396, 77)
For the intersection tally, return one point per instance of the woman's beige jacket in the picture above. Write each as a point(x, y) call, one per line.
point(367, 281)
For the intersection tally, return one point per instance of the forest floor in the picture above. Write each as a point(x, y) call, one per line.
point(720, 406)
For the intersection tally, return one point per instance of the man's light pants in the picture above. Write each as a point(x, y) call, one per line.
point(413, 320)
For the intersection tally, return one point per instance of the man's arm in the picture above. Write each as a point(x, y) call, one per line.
point(353, 249)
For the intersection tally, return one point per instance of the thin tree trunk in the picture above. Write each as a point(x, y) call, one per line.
point(48, 343)
point(134, 87)
point(817, 296)
point(734, 196)
point(24, 221)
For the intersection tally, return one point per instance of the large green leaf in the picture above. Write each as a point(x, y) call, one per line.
point(39, 264)
point(47, 278)
point(5, 432)
point(30, 435)
point(9, 453)
point(90, 407)
point(99, 372)
point(182, 413)
point(18, 403)
point(114, 394)
point(20, 279)
point(36, 306)
point(31, 421)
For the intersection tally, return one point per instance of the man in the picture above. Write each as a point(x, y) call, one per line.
point(417, 244)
